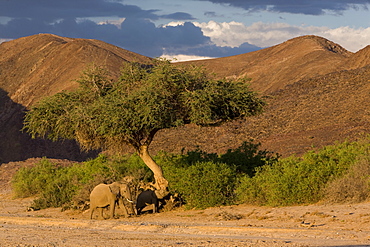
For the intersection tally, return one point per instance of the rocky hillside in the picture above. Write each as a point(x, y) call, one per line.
point(317, 92)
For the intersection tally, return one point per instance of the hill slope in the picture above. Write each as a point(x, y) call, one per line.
point(359, 59)
point(40, 65)
point(318, 93)
point(307, 114)
point(44, 64)
point(275, 67)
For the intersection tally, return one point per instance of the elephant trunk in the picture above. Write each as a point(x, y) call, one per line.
point(129, 200)
point(131, 205)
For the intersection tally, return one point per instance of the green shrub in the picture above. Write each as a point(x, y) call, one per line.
point(202, 179)
point(197, 155)
point(339, 173)
point(31, 181)
point(56, 186)
point(245, 158)
point(285, 183)
point(208, 179)
point(59, 191)
point(204, 184)
point(300, 180)
point(248, 157)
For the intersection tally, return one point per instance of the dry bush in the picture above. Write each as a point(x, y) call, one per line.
point(228, 216)
point(82, 196)
point(352, 187)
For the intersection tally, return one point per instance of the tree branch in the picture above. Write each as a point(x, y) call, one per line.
point(150, 137)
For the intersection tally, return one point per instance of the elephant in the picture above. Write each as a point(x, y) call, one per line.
point(146, 198)
point(104, 195)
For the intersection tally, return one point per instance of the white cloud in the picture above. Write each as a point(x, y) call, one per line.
point(4, 40)
point(231, 34)
point(117, 23)
point(261, 34)
point(174, 24)
point(181, 57)
point(350, 38)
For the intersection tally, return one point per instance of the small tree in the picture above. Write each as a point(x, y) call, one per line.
point(106, 114)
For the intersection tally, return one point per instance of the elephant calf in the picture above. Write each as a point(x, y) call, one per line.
point(146, 198)
point(104, 195)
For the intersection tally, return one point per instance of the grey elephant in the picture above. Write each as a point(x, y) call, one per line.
point(104, 195)
point(146, 198)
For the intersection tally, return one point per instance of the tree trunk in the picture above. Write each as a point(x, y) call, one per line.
point(161, 184)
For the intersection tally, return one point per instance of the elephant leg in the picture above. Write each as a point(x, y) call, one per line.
point(112, 208)
point(138, 211)
point(91, 212)
point(122, 205)
point(100, 213)
point(154, 208)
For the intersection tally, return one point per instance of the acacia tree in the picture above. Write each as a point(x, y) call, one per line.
point(108, 114)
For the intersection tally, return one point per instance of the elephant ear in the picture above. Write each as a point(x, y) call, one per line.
point(115, 189)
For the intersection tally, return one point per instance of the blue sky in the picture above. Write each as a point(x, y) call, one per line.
point(187, 29)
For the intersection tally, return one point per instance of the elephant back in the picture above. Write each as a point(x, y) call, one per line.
point(146, 197)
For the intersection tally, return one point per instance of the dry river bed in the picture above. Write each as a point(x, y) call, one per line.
point(241, 225)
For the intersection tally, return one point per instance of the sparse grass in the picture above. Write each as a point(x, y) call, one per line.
point(318, 214)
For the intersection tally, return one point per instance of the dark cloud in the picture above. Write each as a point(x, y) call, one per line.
point(52, 10)
point(134, 34)
point(307, 7)
point(212, 14)
point(181, 16)
point(72, 18)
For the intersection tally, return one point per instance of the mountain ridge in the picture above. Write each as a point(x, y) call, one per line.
point(275, 67)
point(359, 59)
point(35, 57)
point(317, 94)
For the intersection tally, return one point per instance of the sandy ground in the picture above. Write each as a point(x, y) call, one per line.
point(242, 225)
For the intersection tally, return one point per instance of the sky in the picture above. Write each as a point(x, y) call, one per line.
point(190, 29)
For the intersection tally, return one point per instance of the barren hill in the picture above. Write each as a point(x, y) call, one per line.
point(304, 115)
point(318, 93)
point(275, 67)
point(44, 64)
point(359, 59)
point(40, 65)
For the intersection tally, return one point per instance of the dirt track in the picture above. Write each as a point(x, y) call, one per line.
point(324, 225)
